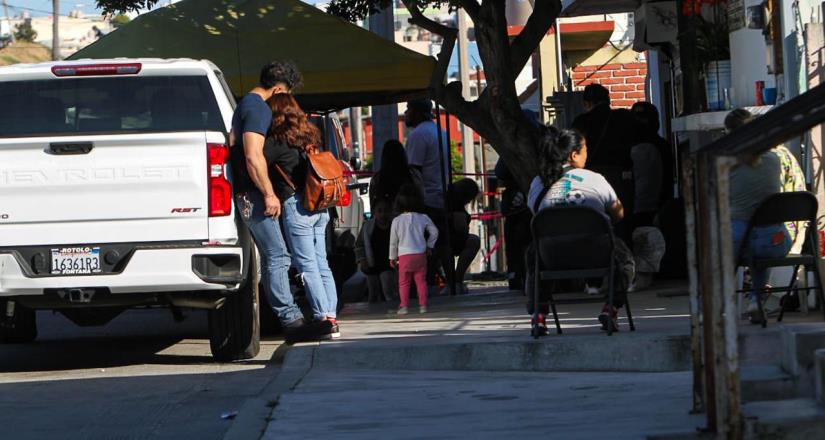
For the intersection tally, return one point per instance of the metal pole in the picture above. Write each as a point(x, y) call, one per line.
point(356, 130)
point(55, 30)
point(559, 62)
point(464, 74)
point(444, 172)
point(694, 302)
point(8, 20)
point(449, 269)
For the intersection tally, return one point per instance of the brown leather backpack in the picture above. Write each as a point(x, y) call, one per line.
point(324, 185)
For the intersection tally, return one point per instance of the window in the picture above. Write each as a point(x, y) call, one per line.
point(121, 104)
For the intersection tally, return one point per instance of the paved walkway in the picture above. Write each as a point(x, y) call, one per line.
point(469, 368)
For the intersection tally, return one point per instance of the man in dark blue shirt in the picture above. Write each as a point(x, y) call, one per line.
point(256, 199)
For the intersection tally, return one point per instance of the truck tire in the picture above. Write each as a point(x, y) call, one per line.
point(20, 328)
point(234, 328)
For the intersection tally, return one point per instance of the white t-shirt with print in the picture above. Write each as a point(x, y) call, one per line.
point(577, 186)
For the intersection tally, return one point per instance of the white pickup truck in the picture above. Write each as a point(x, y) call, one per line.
point(115, 192)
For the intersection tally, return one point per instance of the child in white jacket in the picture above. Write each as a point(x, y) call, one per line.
point(409, 246)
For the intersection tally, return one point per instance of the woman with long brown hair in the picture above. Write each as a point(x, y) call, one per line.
point(290, 138)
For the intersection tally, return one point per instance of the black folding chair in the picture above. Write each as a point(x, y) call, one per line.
point(572, 242)
point(780, 208)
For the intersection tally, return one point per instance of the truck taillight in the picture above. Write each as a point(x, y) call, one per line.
point(346, 199)
point(97, 69)
point(220, 191)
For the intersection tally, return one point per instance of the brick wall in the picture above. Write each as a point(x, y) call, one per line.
point(626, 82)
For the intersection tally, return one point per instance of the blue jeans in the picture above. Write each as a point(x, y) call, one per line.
point(765, 242)
point(274, 255)
point(306, 235)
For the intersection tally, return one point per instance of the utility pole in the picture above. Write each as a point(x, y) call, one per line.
point(8, 20)
point(464, 77)
point(384, 117)
point(55, 30)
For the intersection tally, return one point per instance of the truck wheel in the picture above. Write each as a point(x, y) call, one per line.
point(20, 328)
point(234, 328)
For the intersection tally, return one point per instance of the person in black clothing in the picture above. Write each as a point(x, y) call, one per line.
point(372, 251)
point(610, 135)
point(463, 244)
point(517, 218)
point(256, 199)
point(291, 138)
point(393, 173)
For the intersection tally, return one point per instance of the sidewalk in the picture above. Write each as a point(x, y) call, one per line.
point(469, 368)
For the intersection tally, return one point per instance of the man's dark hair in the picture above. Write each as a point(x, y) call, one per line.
point(737, 118)
point(596, 94)
point(646, 114)
point(280, 72)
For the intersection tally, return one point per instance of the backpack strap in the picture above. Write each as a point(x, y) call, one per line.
point(286, 178)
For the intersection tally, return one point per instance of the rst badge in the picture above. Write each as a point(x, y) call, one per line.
point(184, 210)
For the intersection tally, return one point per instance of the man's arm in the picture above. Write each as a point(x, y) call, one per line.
point(253, 146)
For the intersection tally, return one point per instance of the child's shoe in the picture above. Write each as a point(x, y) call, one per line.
point(401, 311)
point(422, 309)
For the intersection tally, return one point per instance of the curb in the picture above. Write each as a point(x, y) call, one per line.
point(256, 412)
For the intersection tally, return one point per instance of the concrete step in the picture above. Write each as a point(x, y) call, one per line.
point(799, 341)
point(766, 382)
point(785, 419)
point(620, 352)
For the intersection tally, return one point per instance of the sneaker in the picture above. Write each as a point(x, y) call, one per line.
point(538, 327)
point(308, 332)
point(335, 330)
point(609, 318)
point(591, 290)
point(422, 309)
point(401, 311)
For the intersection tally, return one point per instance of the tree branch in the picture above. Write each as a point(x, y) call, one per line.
point(448, 36)
point(524, 45)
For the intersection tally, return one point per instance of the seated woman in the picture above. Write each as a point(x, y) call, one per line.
point(463, 244)
point(750, 184)
point(562, 180)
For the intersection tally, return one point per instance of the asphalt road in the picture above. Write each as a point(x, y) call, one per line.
point(141, 376)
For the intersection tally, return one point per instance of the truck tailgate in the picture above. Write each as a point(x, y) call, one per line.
point(127, 188)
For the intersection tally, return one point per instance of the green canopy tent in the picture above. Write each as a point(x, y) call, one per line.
point(342, 64)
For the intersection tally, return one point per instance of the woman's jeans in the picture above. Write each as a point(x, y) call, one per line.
point(765, 242)
point(306, 234)
point(274, 255)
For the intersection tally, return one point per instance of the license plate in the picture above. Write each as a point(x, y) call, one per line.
point(75, 261)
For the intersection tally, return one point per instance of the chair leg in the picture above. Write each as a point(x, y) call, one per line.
point(819, 287)
point(534, 328)
point(791, 286)
point(610, 285)
point(555, 314)
point(629, 314)
point(761, 307)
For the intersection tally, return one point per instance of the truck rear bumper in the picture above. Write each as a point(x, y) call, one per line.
point(148, 271)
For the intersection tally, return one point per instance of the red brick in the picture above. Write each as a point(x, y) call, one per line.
point(600, 74)
point(623, 88)
point(579, 75)
point(636, 95)
point(635, 80)
point(617, 96)
point(640, 86)
point(622, 103)
point(585, 82)
point(619, 73)
point(611, 67)
point(585, 68)
point(635, 66)
point(609, 81)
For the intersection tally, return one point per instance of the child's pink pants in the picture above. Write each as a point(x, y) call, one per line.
point(412, 266)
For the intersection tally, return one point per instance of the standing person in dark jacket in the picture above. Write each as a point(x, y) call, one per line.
point(255, 196)
point(463, 244)
point(291, 138)
point(372, 251)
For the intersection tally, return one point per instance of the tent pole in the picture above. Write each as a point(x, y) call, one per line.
point(446, 231)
